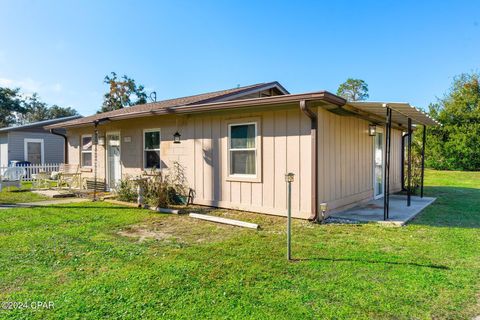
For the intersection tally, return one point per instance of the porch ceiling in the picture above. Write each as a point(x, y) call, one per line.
point(401, 112)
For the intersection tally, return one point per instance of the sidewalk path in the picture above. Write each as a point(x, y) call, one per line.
point(43, 203)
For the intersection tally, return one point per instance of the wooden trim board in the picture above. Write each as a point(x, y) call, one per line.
point(224, 220)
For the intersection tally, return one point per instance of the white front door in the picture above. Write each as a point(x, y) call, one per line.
point(114, 168)
point(378, 164)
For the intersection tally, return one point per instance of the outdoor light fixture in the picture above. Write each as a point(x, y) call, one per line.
point(323, 209)
point(323, 206)
point(372, 130)
point(176, 137)
point(289, 177)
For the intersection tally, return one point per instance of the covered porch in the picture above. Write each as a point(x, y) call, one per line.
point(387, 207)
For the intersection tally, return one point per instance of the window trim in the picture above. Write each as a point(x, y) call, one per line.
point(257, 177)
point(42, 149)
point(85, 151)
point(159, 145)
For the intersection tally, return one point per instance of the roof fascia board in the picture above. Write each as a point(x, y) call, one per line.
point(395, 106)
point(226, 105)
point(39, 124)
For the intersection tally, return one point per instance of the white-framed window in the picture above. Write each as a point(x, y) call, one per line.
point(243, 150)
point(151, 149)
point(34, 151)
point(86, 150)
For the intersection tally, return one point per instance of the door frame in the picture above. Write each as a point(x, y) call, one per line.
point(379, 130)
point(107, 173)
point(25, 149)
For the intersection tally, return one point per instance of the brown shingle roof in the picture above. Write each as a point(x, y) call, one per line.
point(159, 105)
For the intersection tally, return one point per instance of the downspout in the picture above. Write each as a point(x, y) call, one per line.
point(314, 177)
point(65, 144)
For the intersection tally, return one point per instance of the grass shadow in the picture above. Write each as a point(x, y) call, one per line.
point(67, 205)
point(19, 190)
point(414, 264)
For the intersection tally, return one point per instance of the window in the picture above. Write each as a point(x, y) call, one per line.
point(86, 151)
point(151, 149)
point(243, 149)
point(33, 150)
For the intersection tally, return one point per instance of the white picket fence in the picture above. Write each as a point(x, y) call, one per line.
point(32, 169)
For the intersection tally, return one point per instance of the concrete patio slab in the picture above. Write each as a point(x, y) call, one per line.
point(372, 211)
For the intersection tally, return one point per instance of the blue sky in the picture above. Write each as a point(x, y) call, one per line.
point(405, 50)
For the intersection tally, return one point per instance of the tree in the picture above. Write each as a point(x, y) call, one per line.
point(55, 112)
point(353, 90)
point(455, 144)
point(10, 105)
point(36, 110)
point(123, 92)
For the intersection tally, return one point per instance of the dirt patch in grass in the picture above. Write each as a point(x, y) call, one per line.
point(180, 229)
point(184, 229)
point(143, 232)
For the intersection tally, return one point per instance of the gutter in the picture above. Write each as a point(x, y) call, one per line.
point(65, 144)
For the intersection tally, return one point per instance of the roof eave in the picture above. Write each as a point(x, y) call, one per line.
point(40, 124)
point(402, 108)
point(323, 96)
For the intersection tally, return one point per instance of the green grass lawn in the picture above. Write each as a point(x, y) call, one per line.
point(96, 260)
point(14, 195)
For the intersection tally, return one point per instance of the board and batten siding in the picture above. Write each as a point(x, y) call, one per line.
point(284, 135)
point(345, 157)
point(285, 147)
point(345, 160)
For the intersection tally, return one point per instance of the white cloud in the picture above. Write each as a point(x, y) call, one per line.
point(29, 86)
point(57, 87)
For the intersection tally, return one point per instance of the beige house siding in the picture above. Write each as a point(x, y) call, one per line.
point(345, 157)
point(284, 136)
point(281, 133)
point(345, 160)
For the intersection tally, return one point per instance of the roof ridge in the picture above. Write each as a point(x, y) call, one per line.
point(152, 104)
point(182, 101)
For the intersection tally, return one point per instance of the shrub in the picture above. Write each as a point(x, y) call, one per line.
point(155, 191)
point(159, 190)
point(127, 190)
point(177, 180)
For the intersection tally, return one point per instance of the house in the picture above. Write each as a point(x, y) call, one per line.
point(236, 146)
point(32, 143)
